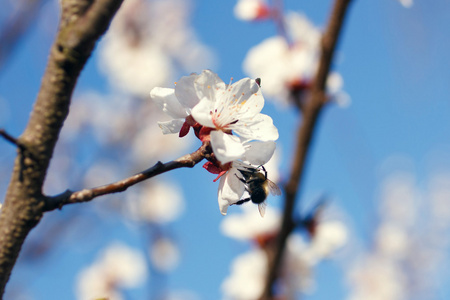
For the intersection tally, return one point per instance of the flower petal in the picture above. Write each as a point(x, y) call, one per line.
point(202, 113)
point(259, 153)
point(226, 147)
point(244, 88)
point(165, 98)
point(230, 191)
point(260, 127)
point(208, 84)
point(243, 99)
point(173, 126)
point(185, 91)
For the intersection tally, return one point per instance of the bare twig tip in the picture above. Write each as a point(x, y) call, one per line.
point(9, 137)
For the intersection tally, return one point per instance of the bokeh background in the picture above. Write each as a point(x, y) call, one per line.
point(381, 159)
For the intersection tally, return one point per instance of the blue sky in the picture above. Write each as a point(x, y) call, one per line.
point(395, 66)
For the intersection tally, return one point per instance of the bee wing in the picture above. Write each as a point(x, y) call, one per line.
point(273, 188)
point(262, 208)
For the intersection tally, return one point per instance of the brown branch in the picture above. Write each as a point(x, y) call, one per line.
point(311, 113)
point(82, 23)
point(69, 197)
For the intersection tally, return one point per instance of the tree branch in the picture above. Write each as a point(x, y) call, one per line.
point(9, 137)
point(69, 197)
point(311, 113)
point(82, 23)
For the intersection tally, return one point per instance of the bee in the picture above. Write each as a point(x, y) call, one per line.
point(258, 187)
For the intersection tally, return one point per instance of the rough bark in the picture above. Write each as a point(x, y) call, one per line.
point(82, 23)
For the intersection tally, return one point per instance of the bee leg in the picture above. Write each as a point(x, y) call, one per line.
point(240, 202)
point(265, 172)
point(241, 179)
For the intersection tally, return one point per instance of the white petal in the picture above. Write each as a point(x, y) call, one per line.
point(202, 113)
point(208, 84)
point(244, 87)
point(259, 153)
point(165, 98)
point(254, 104)
point(230, 191)
point(247, 95)
point(185, 91)
point(173, 126)
point(226, 147)
point(259, 127)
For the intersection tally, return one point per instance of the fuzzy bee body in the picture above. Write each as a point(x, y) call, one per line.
point(258, 186)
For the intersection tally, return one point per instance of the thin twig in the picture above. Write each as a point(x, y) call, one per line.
point(311, 112)
point(9, 137)
point(69, 197)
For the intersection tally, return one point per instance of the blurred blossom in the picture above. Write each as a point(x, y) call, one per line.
point(248, 272)
point(249, 225)
point(164, 254)
point(286, 67)
point(157, 202)
point(297, 272)
point(392, 240)
point(409, 252)
point(377, 278)
point(147, 44)
point(117, 267)
point(399, 199)
point(122, 121)
point(250, 10)
point(406, 3)
point(329, 237)
point(182, 295)
point(150, 145)
point(110, 117)
point(440, 199)
point(102, 172)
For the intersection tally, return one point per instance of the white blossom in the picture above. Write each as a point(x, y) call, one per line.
point(158, 202)
point(148, 42)
point(117, 267)
point(248, 225)
point(377, 278)
point(407, 3)
point(300, 258)
point(247, 277)
point(286, 65)
point(231, 111)
point(249, 10)
point(231, 187)
point(164, 254)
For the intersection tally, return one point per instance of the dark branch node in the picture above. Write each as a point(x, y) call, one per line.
point(58, 201)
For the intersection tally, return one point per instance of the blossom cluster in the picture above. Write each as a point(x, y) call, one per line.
point(136, 52)
point(288, 62)
point(249, 270)
point(118, 267)
point(229, 117)
point(408, 251)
